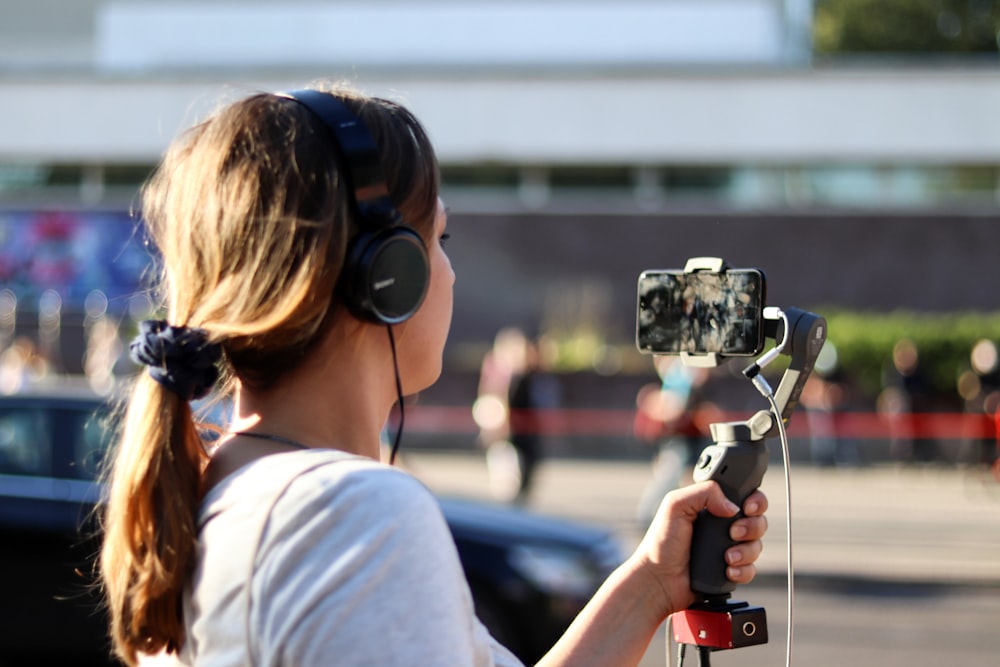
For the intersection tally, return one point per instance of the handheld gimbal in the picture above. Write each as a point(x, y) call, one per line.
point(737, 461)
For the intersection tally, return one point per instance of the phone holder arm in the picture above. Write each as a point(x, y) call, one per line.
point(802, 340)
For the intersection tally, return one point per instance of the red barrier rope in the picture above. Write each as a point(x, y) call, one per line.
point(619, 422)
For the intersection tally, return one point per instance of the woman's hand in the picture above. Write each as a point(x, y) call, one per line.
point(665, 551)
point(615, 628)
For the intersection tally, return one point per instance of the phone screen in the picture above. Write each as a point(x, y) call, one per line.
point(701, 312)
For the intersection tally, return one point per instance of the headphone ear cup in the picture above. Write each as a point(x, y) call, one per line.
point(386, 275)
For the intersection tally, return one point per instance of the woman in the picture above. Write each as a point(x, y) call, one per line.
point(288, 542)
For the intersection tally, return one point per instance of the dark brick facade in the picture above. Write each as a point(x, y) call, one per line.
point(512, 269)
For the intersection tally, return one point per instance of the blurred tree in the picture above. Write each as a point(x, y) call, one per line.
point(906, 26)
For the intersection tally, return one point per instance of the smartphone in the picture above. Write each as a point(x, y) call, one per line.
point(701, 312)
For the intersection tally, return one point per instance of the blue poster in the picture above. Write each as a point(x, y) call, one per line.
point(72, 253)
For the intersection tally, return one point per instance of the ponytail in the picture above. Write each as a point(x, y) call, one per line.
point(149, 520)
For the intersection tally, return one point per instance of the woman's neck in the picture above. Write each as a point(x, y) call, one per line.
point(340, 397)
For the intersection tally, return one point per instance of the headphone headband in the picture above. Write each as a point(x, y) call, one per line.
point(358, 151)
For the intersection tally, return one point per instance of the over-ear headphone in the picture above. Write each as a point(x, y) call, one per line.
point(386, 271)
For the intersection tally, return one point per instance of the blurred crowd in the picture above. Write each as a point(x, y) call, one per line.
point(674, 411)
point(519, 389)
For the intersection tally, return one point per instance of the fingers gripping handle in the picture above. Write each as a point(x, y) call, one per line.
point(738, 467)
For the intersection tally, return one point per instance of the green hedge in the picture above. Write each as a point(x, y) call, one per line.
point(864, 342)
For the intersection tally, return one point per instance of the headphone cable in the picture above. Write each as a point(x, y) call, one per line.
point(399, 396)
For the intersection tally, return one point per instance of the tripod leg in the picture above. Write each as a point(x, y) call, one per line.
point(704, 656)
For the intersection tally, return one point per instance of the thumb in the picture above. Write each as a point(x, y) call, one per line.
point(709, 496)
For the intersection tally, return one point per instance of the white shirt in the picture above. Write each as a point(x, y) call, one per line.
point(317, 557)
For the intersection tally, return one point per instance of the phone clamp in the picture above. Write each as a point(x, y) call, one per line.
point(708, 265)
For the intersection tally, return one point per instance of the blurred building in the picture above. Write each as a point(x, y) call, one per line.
point(624, 135)
point(646, 103)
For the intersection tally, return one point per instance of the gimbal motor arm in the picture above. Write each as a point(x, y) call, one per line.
point(803, 341)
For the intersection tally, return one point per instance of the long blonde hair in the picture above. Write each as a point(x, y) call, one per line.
point(249, 214)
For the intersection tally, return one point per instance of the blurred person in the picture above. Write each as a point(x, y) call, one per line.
point(502, 361)
point(979, 388)
point(491, 410)
point(103, 352)
point(21, 364)
point(905, 395)
point(515, 387)
point(823, 396)
point(673, 416)
point(532, 391)
point(287, 541)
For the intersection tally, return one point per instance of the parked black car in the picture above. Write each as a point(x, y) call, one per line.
point(529, 574)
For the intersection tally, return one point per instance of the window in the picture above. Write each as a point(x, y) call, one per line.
point(25, 443)
point(90, 443)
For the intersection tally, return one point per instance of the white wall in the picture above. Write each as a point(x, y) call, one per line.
point(520, 81)
point(157, 35)
point(768, 116)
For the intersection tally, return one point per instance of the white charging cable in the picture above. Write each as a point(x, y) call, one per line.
point(753, 373)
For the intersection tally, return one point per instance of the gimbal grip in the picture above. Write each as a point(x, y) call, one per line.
point(738, 468)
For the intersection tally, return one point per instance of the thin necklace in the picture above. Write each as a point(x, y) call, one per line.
point(273, 438)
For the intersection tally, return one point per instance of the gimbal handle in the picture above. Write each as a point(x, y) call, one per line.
point(738, 458)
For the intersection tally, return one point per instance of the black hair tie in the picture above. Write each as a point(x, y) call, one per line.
point(179, 358)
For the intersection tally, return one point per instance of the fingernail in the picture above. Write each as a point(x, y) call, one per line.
point(733, 507)
point(734, 556)
point(732, 572)
point(739, 531)
point(753, 507)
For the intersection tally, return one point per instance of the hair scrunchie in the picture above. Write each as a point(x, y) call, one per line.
point(179, 358)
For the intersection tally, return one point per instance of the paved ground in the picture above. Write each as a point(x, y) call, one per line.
point(935, 524)
point(894, 566)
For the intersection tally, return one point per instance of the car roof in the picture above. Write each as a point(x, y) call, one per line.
point(487, 521)
point(62, 388)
